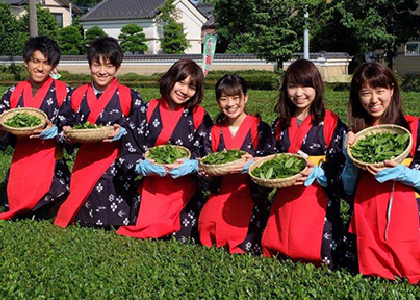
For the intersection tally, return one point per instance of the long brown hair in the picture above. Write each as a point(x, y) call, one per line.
point(179, 71)
point(301, 72)
point(374, 75)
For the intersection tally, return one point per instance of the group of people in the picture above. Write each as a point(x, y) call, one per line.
point(301, 222)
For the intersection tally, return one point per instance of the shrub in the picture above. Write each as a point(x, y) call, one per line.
point(409, 82)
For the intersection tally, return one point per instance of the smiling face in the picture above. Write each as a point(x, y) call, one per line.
point(182, 91)
point(233, 107)
point(102, 72)
point(376, 101)
point(38, 67)
point(302, 97)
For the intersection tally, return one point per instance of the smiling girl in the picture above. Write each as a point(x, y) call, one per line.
point(305, 223)
point(386, 209)
point(234, 216)
point(166, 204)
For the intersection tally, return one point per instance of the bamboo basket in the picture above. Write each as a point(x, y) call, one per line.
point(221, 170)
point(89, 135)
point(384, 128)
point(274, 183)
point(182, 148)
point(23, 131)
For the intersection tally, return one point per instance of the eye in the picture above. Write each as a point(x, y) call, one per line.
point(291, 86)
point(109, 66)
point(192, 87)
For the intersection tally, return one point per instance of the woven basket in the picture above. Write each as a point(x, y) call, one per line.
point(23, 131)
point(89, 135)
point(182, 148)
point(380, 129)
point(274, 183)
point(221, 170)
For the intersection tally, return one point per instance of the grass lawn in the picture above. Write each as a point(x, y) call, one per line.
point(41, 261)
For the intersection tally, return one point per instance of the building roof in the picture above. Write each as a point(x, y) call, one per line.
point(207, 10)
point(75, 9)
point(123, 10)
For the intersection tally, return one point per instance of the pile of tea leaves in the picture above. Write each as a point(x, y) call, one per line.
point(222, 157)
point(280, 166)
point(86, 125)
point(166, 155)
point(377, 147)
point(21, 120)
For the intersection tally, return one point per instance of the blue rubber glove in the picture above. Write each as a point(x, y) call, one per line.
point(120, 134)
point(247, 165)
point(350, 171)
point(145, 168)
point(400, 173)
point(49, 133)
point(188, 167)
point(318, 174)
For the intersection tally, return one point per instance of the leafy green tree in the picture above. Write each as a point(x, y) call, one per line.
point(70, 40)
point(174, 39)
point(133, 39)
point(47, 24)
point(272, 30)
point(377, 24)
point(93, 34)
point(11, 39)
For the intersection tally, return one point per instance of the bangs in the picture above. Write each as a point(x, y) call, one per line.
point(230, 89)
point(298, 76)
point(195, 78)
point(375, 79)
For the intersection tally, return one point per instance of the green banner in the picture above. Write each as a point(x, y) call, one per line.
point(209, 47)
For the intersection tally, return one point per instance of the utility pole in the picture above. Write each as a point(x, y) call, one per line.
point(71, 12)
point(306, 36)
point(33, 22)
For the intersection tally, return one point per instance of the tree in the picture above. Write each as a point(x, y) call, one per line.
point(93, 34)
point(174, 38)
point(70, 40)
point(133, 39)
point(11, 38)
point(47, 24)
point(380, 24)
point(270, 29)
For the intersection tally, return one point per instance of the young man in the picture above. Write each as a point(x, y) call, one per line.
point(100, 196)
point(38, 177)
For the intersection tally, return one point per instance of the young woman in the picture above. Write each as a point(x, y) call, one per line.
point(100, 194)
point(386, 208)
point(305, 223)
point(166, 205)
point(235, 215)
point(38, 177)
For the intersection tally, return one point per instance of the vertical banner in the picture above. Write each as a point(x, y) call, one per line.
point(209, 47)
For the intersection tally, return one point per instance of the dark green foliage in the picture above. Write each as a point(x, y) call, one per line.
point(70, 41)
point(86, 125)
point(377, 147)
point(280, 166)
point(93, 34)
point(47, 24)
point(222, 157)
point(21, 120)
point(174, 39)
point(42, 261)
point(410, 82)
point(133, 39)
point(11, 37)
point(166, 155)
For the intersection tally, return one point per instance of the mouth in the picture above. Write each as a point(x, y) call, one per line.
point(375, 108)
point(181, 97)
point(231, 110)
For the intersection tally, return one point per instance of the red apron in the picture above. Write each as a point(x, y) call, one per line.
point(296, 221)
point(225, 217)
point(92, 160)
point(29, 180)
point(162, 198)
point(387, 247)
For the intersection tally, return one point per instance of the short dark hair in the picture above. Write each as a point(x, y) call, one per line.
point(374, 75)
point(46, 46)
point(303, 72)
point(179, 71)
point(230, 85)
point(107, 48)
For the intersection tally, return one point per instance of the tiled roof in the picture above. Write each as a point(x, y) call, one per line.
point(75, 8)
point(206, 9)
point(123, 10)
